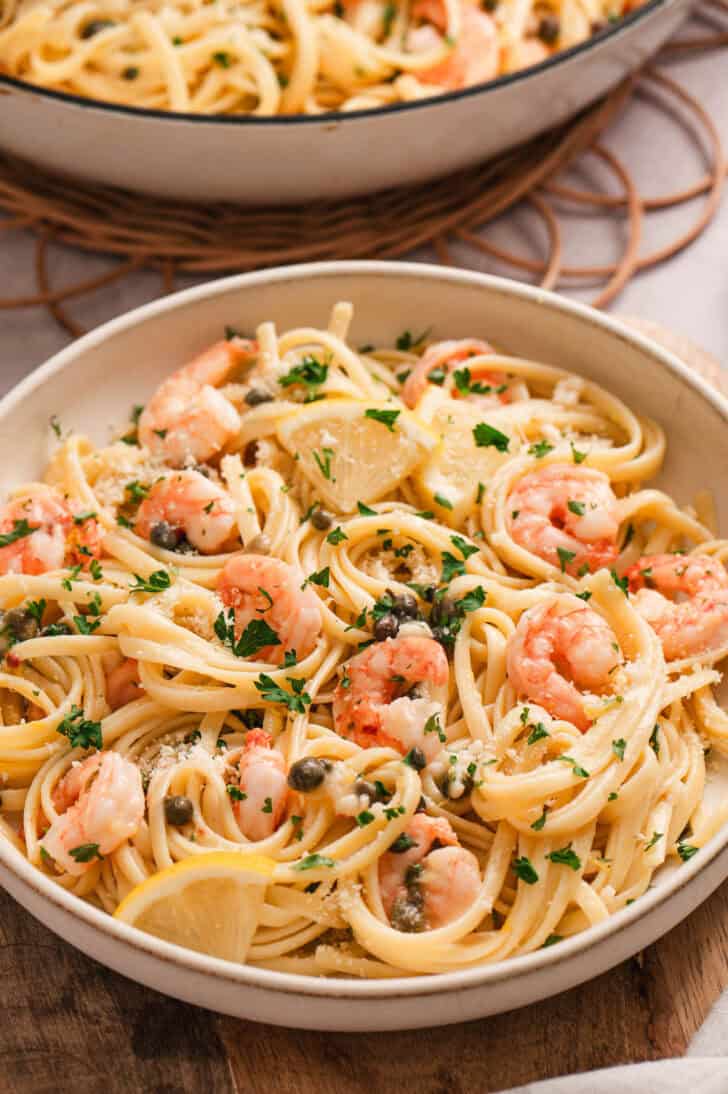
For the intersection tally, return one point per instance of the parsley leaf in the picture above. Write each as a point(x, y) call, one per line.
point(486, 436)
point(336, 536)
point(565, 857)
point(320, 577)
point(466, 549)
point(386, 417)
point(312, 862)
point(621, 582)
point(324, 464)
point(81, 732)
point(85, 852)
point(618, 748)
point(311, 373)
point(540, 449)
point(21, 529)
point(523, 869)
point(686, 850)
point(576, 507)
point(296, 701)
point(565, 557)
point(155, 583)
point(451, 567)
point(538, 824)
point(256, 636)
point(365, 511)
point(580, 771)
point(538, 733)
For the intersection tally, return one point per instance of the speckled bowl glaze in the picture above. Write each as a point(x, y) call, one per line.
point(93, 383)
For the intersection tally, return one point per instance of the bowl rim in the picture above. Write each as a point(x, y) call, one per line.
point(330, 117)
point(286, 983)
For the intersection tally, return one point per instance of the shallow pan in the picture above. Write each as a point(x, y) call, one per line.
point(295, 158)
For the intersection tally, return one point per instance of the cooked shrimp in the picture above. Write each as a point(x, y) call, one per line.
point(188, 420)
point(374, 702)
point(684, 598)
point(432, 882)
point(122, 684)
point(188, 504)
point(262, 779)
point(269, 590)
point(103, 805)
point(567, 515)
point(558, 650)
point(445, 357)
point(473, 59)
point(46, 532)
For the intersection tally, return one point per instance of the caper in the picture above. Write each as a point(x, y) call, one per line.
point(549, 29)
point(307, 774)
point(21, 624)
point(366, 789)
point(386, 627)
point(162, 534)
point(408, 914)
point(250, 454)
point(95, 26)
point(404, 605)
point(257, 395)
point(416, 759)
point(259, 545)
point(178, 810)
point(321, 519)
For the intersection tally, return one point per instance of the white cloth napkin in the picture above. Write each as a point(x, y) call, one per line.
point(688, 1076)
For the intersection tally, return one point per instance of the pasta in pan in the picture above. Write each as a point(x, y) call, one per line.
point(258, 57)
point(388, 654)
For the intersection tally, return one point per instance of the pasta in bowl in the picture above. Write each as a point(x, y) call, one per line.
point(363, 661)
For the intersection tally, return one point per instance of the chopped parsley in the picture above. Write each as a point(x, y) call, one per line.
point(35, 608)
point(338, 535)
point(618, 748)
point(320, 577)
point(540, 449)
point(364, 818)
point(236, 793)
point(443, 501)
point(81, 732)
point(323, 461)
point(564, 856)
point(406, 341)
point(155, 583)
point(310, 374)
point(432, 725)
point(296, 700)
point(486, 436)
point(686, 850)
point(656, 836)
point(402, 843)
point(137, 491)
point(586, 595)
point(576, 455)
point(256, 636)
point(85, 852)
point(580, 771)
point(312, 862)
point(538, 824)
point(576, 507)
point(385, 417)
point(523, 869)
point(538, 733)
point(565, 557)
point(552, 940)
point(621, 582)
point(655, 740)
point(466, 549)
point(21, 529)
point(221, 58)
point(451, 567)
point(365, 511)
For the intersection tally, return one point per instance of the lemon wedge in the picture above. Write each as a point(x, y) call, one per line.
point(354, 450)
point(449, 480)
point(209, 903)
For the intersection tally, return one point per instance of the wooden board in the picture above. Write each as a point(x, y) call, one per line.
point(69, 1025)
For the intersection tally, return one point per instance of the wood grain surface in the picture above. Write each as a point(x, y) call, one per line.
point(71, 1026)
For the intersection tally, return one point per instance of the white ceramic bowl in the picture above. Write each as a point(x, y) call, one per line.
point(296, 159)
point(92, 384)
